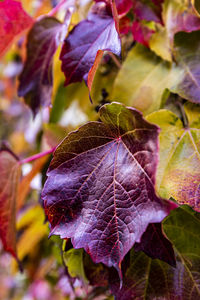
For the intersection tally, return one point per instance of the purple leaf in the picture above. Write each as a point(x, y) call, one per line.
point(156, 245)
point(146, 10)
point(36, 78)
point(80, 48)
point(123, 6)
point(100, 186)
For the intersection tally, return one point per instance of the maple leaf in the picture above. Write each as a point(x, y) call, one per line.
point(80, 48)
point(100, 186)
point(10, 174)
point(36, 78)
point(13, 20)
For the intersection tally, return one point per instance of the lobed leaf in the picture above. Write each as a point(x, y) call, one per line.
point(100, 186)
point(10, 175)
point(13, 20)
point(36, 78)
point(80, 48)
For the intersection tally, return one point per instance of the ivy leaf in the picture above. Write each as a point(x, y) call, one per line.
point(156, 245)
point(80, 48)
point(154, 279)
point(36, 78)
point(13, 20)
point(10, 175)
point(187, 47)
point(178, 173)
point(100, 186)
point(143, 79)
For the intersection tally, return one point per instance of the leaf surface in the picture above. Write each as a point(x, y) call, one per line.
point(74, 261)
point(80, 48)
point(13, 20)
point(148, 278)
point(178, 173)
point(187, 47)
point(36, 78)
point(143, 78)
point(10, 174)
point(100, 186)
point(156, 245)
point(177, 16)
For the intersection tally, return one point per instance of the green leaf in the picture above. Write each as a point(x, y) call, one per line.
point(74, 261)
point(143, 79)
point(178, 173)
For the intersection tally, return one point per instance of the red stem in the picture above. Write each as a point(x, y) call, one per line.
point(36, 156)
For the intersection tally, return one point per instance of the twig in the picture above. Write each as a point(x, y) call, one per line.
point(36, 156)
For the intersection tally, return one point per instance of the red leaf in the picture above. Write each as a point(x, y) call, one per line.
point(13, 20)
point(10, 173)
point(141, 33)
point(100, 186)
point(98, 32)
point(36, 78)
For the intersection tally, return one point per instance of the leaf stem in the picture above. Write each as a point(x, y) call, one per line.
point(37, 156)
point(115, 60)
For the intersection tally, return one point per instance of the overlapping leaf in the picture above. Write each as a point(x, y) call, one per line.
point(187, 47)
point(178, 174)
point(80, 49)
point(13, 20)
point(147, 10)
point(143, 79)
point(10, 175)
point(123, 6)
point(153, 279)
point(177, 16)
point(36, 78)
point(156, 245)
point(100, 186)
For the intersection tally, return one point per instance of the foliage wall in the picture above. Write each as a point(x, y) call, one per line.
point(100, 149)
